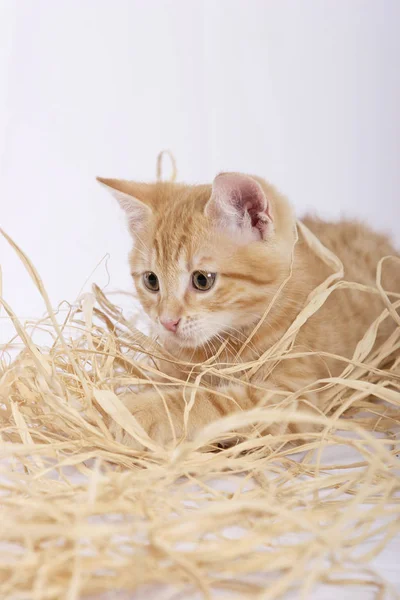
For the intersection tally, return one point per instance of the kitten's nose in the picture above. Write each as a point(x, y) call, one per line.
point(170, 324)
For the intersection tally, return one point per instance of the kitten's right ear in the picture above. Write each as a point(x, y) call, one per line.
point(130, 196)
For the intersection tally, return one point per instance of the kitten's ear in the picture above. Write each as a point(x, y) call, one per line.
point(131, 197)
point(239, 205)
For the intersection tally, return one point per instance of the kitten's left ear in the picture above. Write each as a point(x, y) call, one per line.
point(133, 199)
point(239, 205)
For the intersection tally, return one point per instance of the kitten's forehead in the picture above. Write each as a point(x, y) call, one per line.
point(180, 239)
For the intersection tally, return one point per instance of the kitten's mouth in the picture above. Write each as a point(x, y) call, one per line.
point(182, 339)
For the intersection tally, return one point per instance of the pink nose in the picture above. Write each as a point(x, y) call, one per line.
point(170, 324)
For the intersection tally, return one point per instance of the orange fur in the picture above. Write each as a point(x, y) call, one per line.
point(174, 234)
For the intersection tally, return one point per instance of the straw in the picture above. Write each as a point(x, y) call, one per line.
point(83, 515)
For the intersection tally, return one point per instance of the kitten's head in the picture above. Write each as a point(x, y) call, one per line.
point(206, 260)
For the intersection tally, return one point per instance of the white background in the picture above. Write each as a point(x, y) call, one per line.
point(303, 92)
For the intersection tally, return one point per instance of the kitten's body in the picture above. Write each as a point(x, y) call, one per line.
point(243, 230)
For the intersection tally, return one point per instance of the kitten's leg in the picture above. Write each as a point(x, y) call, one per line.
point(151, 411)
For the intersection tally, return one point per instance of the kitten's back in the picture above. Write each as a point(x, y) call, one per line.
point(343, 320)
point(359, 248)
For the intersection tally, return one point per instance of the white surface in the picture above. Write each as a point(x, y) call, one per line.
point(304, 93)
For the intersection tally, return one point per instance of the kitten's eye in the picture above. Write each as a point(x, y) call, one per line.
point(150, 281)
point(203, 281)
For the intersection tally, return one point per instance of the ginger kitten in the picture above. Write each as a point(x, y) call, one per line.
point(207, 260)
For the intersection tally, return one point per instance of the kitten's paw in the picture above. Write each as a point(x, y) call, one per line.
point(150, 412)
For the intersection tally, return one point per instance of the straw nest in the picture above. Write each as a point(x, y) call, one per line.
point(83, 515)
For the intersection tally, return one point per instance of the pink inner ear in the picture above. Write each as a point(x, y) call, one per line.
point(241, 201)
